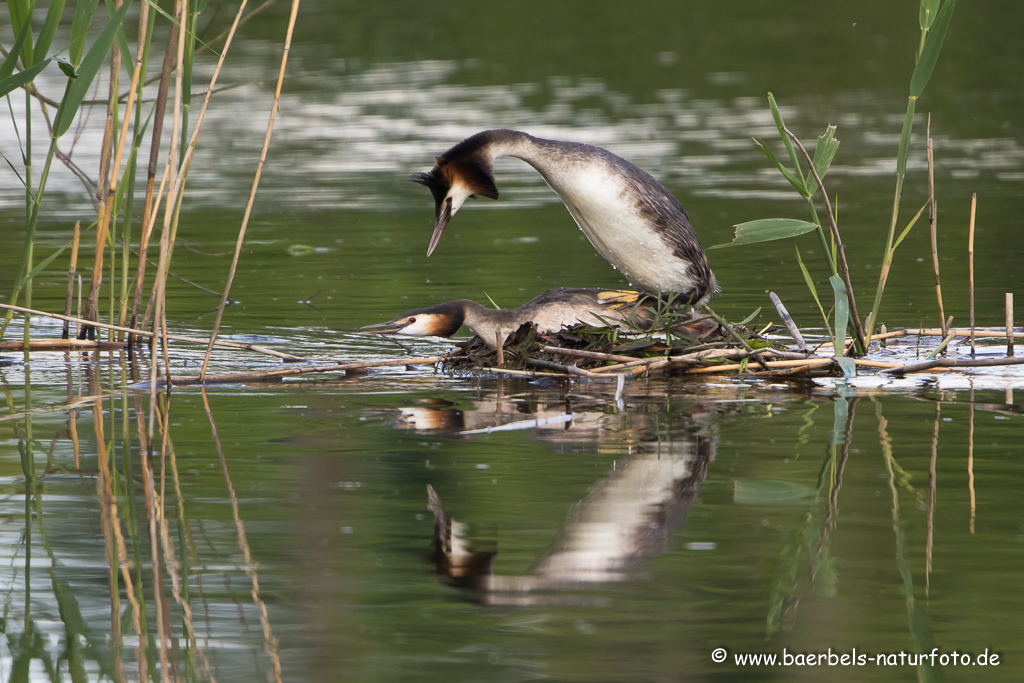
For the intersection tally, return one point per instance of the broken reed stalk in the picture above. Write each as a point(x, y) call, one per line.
point(1009, 324)
point(71, 276)
point(970, 261)
point(933, 218)
point(500, 346)
point(787, 319)
point(259, 167)
point(844, 270)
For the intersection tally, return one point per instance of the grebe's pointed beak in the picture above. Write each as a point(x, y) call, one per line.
point(442, 222)
point(392, 327)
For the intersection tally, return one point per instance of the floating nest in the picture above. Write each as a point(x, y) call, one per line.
point(684, 342)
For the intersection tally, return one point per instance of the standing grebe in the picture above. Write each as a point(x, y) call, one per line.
point(629, 217)
point(549, 312)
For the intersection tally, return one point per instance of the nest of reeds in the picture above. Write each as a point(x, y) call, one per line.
point(671, 343)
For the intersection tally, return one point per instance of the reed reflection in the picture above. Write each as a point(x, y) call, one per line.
point(108, 510)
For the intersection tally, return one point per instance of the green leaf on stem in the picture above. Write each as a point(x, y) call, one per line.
point(79, 87)
point(906, 230)
point(84, 9)
point(814, 292)
point(797, 184)
point(25, 77)
point(780, 124)
point(823, 155)
point(42, 265)
point(927, 13)
point(49, 29)
point(750, 317)
point(766, 230)
point(930, 51)
point(842, 322)
point(11, 61)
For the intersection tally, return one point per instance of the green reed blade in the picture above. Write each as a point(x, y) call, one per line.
point(49, 29)
point(84, 9)
point(11, 61)
point(842, 322)
point(23, 78)
point(798, 185)
point(42, 265)
point(78, 88)
point(814, 292)
point(21, 16)
point(906, 230)
point(824, 153)
point(780, 124)
point(927, 14)
point(930, 51)
point(750, 317)
point(766, 230)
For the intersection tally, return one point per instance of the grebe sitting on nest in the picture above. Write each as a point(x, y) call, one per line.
point(549, 312)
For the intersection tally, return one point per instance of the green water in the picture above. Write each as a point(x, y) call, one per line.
point(752, 516)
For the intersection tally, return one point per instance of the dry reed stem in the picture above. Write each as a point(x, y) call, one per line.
point(104, 195)
point(71, 275)
point(259, 167)
point(936, 332)
point(568, 369)
point(1009, 324)
point(933, 219)
point(306, 369)
point(160, 283)
point(105, 497)
point(56, 345)
point(929, 543)
point(149, 212)
point(787, 320)
point(844, 270)
point(970, 260)
point(171, 563)
point(956, 363)
point(106, 346)
point(152, 511)
point(578, 353)
point(270, 642)
point(970, 457)
point(147, 230)
point(525, 373)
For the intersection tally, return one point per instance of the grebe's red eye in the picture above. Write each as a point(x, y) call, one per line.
point(411, 320)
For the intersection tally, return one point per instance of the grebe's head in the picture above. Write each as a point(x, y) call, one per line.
point(442, 320)
point(462, 172)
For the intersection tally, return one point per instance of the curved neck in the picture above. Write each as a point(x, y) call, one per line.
point(485, 321)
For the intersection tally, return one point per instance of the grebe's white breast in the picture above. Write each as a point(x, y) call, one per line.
point(608, 206)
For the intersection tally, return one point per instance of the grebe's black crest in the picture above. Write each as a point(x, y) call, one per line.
point(466, 162)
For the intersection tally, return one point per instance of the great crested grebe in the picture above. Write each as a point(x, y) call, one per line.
point(629, 217)
point(549, 312)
